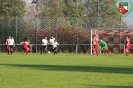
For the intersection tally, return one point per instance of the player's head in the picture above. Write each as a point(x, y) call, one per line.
point(55, 40)
point(97, 36)
point(11, 37)
point(28, 41)
point(101, 40)
point(45, 37)
point(127, 37)
point(52, 36)
point(94, 36)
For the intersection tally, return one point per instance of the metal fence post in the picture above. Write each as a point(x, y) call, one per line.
point(77, 30)
point(36, 32)
point(16, 29)
point(91, 42)
point(16, 26)
point(77, 37)
point(57, 26)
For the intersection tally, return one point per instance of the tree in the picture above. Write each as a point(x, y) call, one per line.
point(74, 8)
point(12, 7)
point(51, 8)
point(103, 14)
point(9, 9)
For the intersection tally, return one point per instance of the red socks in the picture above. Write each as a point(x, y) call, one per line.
point(28, 51)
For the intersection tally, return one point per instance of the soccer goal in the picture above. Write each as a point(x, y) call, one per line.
point(115, 38)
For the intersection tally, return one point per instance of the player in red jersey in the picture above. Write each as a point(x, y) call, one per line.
point(26, 45)
point(95, 45)
point(7, 45)
point(127, 46)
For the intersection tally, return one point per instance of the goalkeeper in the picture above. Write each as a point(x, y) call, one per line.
point(103, 47)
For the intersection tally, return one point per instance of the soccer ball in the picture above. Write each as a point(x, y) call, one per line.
point(48, 51)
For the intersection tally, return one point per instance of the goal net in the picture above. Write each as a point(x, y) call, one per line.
point(115, 38)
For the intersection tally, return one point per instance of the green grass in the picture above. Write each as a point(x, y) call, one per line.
point(66, 71)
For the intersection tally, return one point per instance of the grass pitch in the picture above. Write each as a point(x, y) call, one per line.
point(66, 71)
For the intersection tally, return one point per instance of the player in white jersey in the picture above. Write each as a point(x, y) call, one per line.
point(44, 45)
point(55, 45)
point(51, 41)
point(11, 44)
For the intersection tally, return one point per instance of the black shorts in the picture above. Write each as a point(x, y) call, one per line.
point(55, 49)
point(43, 47)
point(50, 46)
point(11, 46)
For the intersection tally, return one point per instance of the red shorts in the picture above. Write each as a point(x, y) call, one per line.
point(95, 47)
point(127, 47)
point(7, 47)
point(25, 48)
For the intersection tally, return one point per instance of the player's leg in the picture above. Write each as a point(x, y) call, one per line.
point(93, 50)
point(104, 50)
point(55, 50)
point(42, 49)
point(101, 50)
point(11, 47)
point(7, 50)
point(26, 50)
point(127, 51)
point(51, 48)
point(29, 50)
point(97, 50)
point(45, 49)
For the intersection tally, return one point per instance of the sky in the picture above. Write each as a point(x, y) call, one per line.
point(28, 1)
point(128, 18)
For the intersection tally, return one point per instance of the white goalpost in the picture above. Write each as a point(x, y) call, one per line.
point(114, 37)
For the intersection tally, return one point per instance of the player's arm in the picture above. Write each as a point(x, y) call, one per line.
point(100, 45)
point(43, 41)
point(48, 42)
point(30, 44)
point(13, 43)
point(21, 42)
point(57, 44)
point(7, 44)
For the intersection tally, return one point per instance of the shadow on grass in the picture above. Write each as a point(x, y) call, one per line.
point(123, 70)
point(110, 86)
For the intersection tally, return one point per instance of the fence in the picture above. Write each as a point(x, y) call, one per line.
point(72, 33)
